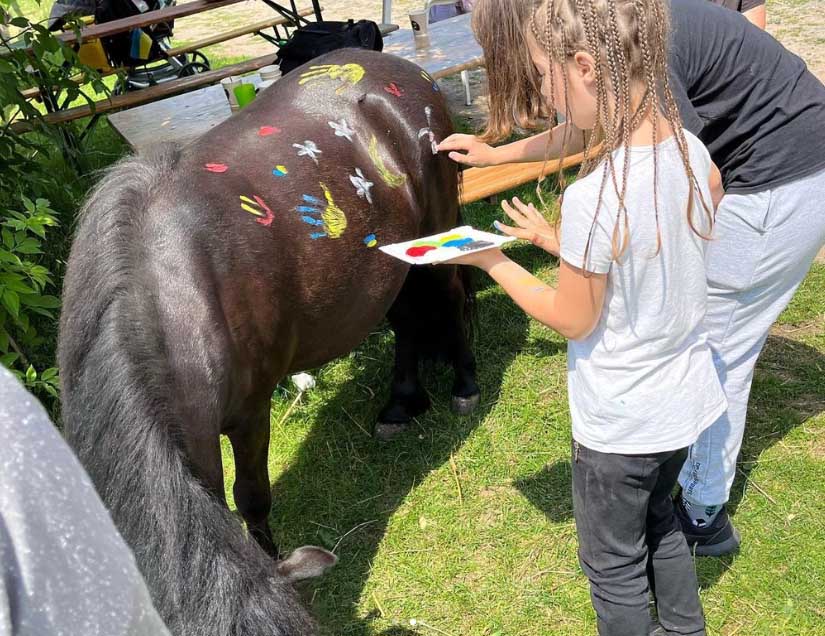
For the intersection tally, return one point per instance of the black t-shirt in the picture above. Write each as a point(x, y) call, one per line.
point(739, 5)
point(754, 104)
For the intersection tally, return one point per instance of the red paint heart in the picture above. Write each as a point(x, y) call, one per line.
point(268, 130)
point(216, 167)
point(394, 89)
point(415, 252)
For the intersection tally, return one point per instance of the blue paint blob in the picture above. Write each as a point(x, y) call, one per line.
point(306, 208)
point(370, 240)
point(311, 221)
point(317, 235)
point(457, 242)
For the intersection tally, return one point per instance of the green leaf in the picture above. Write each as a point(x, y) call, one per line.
point(18, 286)
point(8, 257)
point(29, 205)
point(9, 359)
point(29, 246)
point(20, 22)
point(31, 375)
point(8, 239)
point(48, 374)
point(46, 302)
point(11, 301)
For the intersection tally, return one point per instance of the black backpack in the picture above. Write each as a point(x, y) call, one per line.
point(317, 38)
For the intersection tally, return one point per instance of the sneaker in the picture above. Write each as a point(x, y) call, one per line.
point(717, 539)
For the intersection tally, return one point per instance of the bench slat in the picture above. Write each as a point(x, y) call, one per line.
point(152, 93)
point(236, 33)
point(480, 183)
point(145, 19)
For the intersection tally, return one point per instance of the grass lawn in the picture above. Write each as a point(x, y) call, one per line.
point(465, 524)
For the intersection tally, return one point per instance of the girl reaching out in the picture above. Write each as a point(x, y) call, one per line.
point(631, 287)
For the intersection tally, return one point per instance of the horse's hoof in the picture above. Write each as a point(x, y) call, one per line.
point(465, 405)
point(385, 431)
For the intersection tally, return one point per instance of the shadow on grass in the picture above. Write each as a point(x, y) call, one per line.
point(788, 389)
point(549, 490)
point(343, 486)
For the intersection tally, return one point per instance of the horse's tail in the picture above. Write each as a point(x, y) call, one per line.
point(205, 576)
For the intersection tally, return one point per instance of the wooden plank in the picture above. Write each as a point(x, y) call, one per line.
point(153, 93)
point(236, 33)
point(145, 19)
point(480, 183)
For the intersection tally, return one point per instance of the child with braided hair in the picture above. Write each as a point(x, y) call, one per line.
point(631, 288)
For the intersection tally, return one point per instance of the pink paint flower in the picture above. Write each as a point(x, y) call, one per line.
point(394, 89)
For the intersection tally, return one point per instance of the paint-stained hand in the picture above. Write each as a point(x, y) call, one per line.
point(468, 150)
point(531, 226)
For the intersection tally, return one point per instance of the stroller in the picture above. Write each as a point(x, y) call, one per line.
point(140, 52)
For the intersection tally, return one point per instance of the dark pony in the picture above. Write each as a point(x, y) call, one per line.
point(200, 278)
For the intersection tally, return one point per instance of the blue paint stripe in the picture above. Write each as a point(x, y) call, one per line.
point(311, 199)
point(311, 221)
point(306, 208)
point(317, 235)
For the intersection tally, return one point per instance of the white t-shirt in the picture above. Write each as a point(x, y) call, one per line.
point(644, 381)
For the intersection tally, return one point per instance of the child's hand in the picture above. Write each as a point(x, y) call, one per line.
point(532, 226)
point(476, 153)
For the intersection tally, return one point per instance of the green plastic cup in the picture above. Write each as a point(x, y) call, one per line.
point(244, 93)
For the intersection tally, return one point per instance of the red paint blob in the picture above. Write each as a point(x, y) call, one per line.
point(216, 167)
point(415, 252)
point(268, 130)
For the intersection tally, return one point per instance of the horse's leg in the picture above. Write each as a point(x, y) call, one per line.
point(250, 444)
point(407, 396)
point(450, 290)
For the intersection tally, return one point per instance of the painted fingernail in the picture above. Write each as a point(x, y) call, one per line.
point(497, 225)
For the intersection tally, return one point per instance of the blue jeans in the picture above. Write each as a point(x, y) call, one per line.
point(631, 544)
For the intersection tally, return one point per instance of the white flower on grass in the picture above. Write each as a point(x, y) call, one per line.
point(308, 149)
point(362, 186)
point(342, 129)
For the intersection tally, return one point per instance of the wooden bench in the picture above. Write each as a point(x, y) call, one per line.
point(236, 33)
point(481, 183)
point(152, 93)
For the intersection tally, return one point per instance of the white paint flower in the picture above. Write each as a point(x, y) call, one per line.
point(342, 129)
point(362, 186)
point(308, 149)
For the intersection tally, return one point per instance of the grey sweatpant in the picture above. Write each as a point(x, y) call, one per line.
point(763, 247)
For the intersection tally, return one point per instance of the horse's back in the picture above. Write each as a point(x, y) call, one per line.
point(293, 195)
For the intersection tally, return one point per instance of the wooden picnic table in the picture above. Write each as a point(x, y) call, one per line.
point(452, 47)
point(185, 117)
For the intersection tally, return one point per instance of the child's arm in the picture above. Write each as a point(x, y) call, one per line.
point(573, 309)
point(478, 154)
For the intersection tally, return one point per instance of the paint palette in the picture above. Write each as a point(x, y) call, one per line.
point(443, 247)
